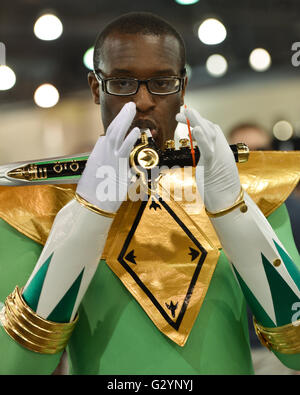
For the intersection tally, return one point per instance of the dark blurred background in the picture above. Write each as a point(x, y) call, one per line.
point(273, 25)
point(238, 94)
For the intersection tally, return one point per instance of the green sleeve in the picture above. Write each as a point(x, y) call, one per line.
point(280, 222)
point(18, 256)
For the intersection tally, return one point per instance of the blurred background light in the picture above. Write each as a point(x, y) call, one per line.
point(216, 65)
point(212, 31)
point(46, 96)
point(186, 2)
point(7, 78)
point(88, 58)
point(260, 59)
point(283, 130)
point(48, 27)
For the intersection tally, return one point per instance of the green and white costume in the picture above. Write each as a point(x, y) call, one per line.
point(113, 334)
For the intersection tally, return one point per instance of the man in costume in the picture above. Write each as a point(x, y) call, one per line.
point(167, 295)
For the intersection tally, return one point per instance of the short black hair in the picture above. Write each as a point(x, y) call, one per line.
point(139, 23)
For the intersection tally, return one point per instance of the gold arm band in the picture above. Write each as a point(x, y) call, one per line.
point(93, 208)
point(32, 331)
point(284, 339)
point(238, 203)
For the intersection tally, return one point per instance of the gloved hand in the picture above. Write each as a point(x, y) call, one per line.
point(109, 161)
point(221, 179)
point(78, 235)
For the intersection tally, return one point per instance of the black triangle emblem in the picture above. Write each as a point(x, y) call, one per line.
point(131, 257)
point(154, 205)
point(193, 253)
point(201, 253)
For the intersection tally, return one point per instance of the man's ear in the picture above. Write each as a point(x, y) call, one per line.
point(183, 90)
point(94, 85)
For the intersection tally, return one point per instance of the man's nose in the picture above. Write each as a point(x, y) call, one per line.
point(143, 99)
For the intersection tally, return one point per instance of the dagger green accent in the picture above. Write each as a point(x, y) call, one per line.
point(63, 310)
point(282, 295)
point(58, 178)
point(32, 293)
point(293, 270)
point(54, 161)
point(258, 311)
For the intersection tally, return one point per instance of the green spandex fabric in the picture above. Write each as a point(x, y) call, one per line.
point(115, 336)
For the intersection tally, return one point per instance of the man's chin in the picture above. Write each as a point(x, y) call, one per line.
point(156, 136)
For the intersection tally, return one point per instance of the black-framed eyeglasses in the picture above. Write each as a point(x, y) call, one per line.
point(120, 86)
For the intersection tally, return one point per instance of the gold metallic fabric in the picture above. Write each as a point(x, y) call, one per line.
point(165, 261)
point(269, 177)
point(284, 339)
point(31, 331)
point(164, 251)
point(32, 209)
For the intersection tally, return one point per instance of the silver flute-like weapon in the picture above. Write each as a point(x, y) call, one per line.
point(57, 170)
point(68, 169)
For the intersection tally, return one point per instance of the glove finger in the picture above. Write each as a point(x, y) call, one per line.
point(97, 148)
point(205, 144)
point(208, 128)
point(193, 116)
point(204, 132)
point(219, 134)
point(197, 120)
point(129, 142)
point(120, 125)
point(196, 117)
point(180, 117)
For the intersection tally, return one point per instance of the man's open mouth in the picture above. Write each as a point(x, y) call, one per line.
point(145, 124)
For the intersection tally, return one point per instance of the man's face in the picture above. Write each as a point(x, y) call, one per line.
point(142, 57)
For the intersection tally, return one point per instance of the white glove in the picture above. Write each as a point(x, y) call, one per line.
point(221, 179)
point(106, 177)
point(78, 235)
